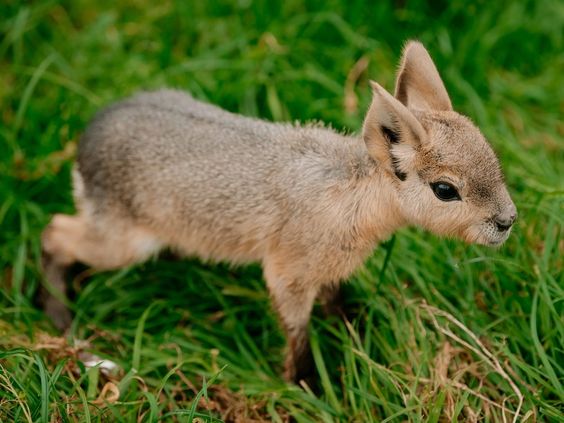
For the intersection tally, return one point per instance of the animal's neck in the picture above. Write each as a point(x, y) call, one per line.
point(379, 214)
point(361, 206)
point(368, 204)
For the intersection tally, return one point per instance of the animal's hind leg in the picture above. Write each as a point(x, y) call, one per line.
point(103, 244)
point(54, 273)
point(331, 298)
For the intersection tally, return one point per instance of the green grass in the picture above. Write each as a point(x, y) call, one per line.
point(195, 340)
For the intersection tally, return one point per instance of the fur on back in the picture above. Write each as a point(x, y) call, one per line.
point(229, 187)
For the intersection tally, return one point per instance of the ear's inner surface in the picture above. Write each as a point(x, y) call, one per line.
point(389, 125)
point(418, 84)
point(393, 137)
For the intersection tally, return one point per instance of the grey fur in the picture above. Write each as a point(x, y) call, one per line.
point(231, 179)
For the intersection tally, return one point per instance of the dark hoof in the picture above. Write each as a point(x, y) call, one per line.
point(54, 308)
point(58, 313)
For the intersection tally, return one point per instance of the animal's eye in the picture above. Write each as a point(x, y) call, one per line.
point(445, 191)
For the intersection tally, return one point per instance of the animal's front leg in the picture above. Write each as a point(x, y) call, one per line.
point(293, 300)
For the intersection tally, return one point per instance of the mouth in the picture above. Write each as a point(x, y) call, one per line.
point(487, 235)
point(495, 243)
point(500, 239)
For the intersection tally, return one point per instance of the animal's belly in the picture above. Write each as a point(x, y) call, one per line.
point(220, 246)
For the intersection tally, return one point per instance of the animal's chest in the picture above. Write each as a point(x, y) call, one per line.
point(345, 257)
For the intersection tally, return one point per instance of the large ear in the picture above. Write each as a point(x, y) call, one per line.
point(419, 85)
point(391, 130)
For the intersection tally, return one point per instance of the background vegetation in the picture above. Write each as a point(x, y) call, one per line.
point(443, 331)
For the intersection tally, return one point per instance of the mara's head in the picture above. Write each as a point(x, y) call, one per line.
point(446, 176)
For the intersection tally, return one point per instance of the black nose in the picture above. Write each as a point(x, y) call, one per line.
point(503, 223)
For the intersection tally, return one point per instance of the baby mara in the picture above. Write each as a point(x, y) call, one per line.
point(162, 169)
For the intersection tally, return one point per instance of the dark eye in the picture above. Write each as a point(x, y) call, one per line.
point(445, 191)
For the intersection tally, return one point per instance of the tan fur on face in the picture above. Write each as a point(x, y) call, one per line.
point(456, 152)
point(442, 146)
